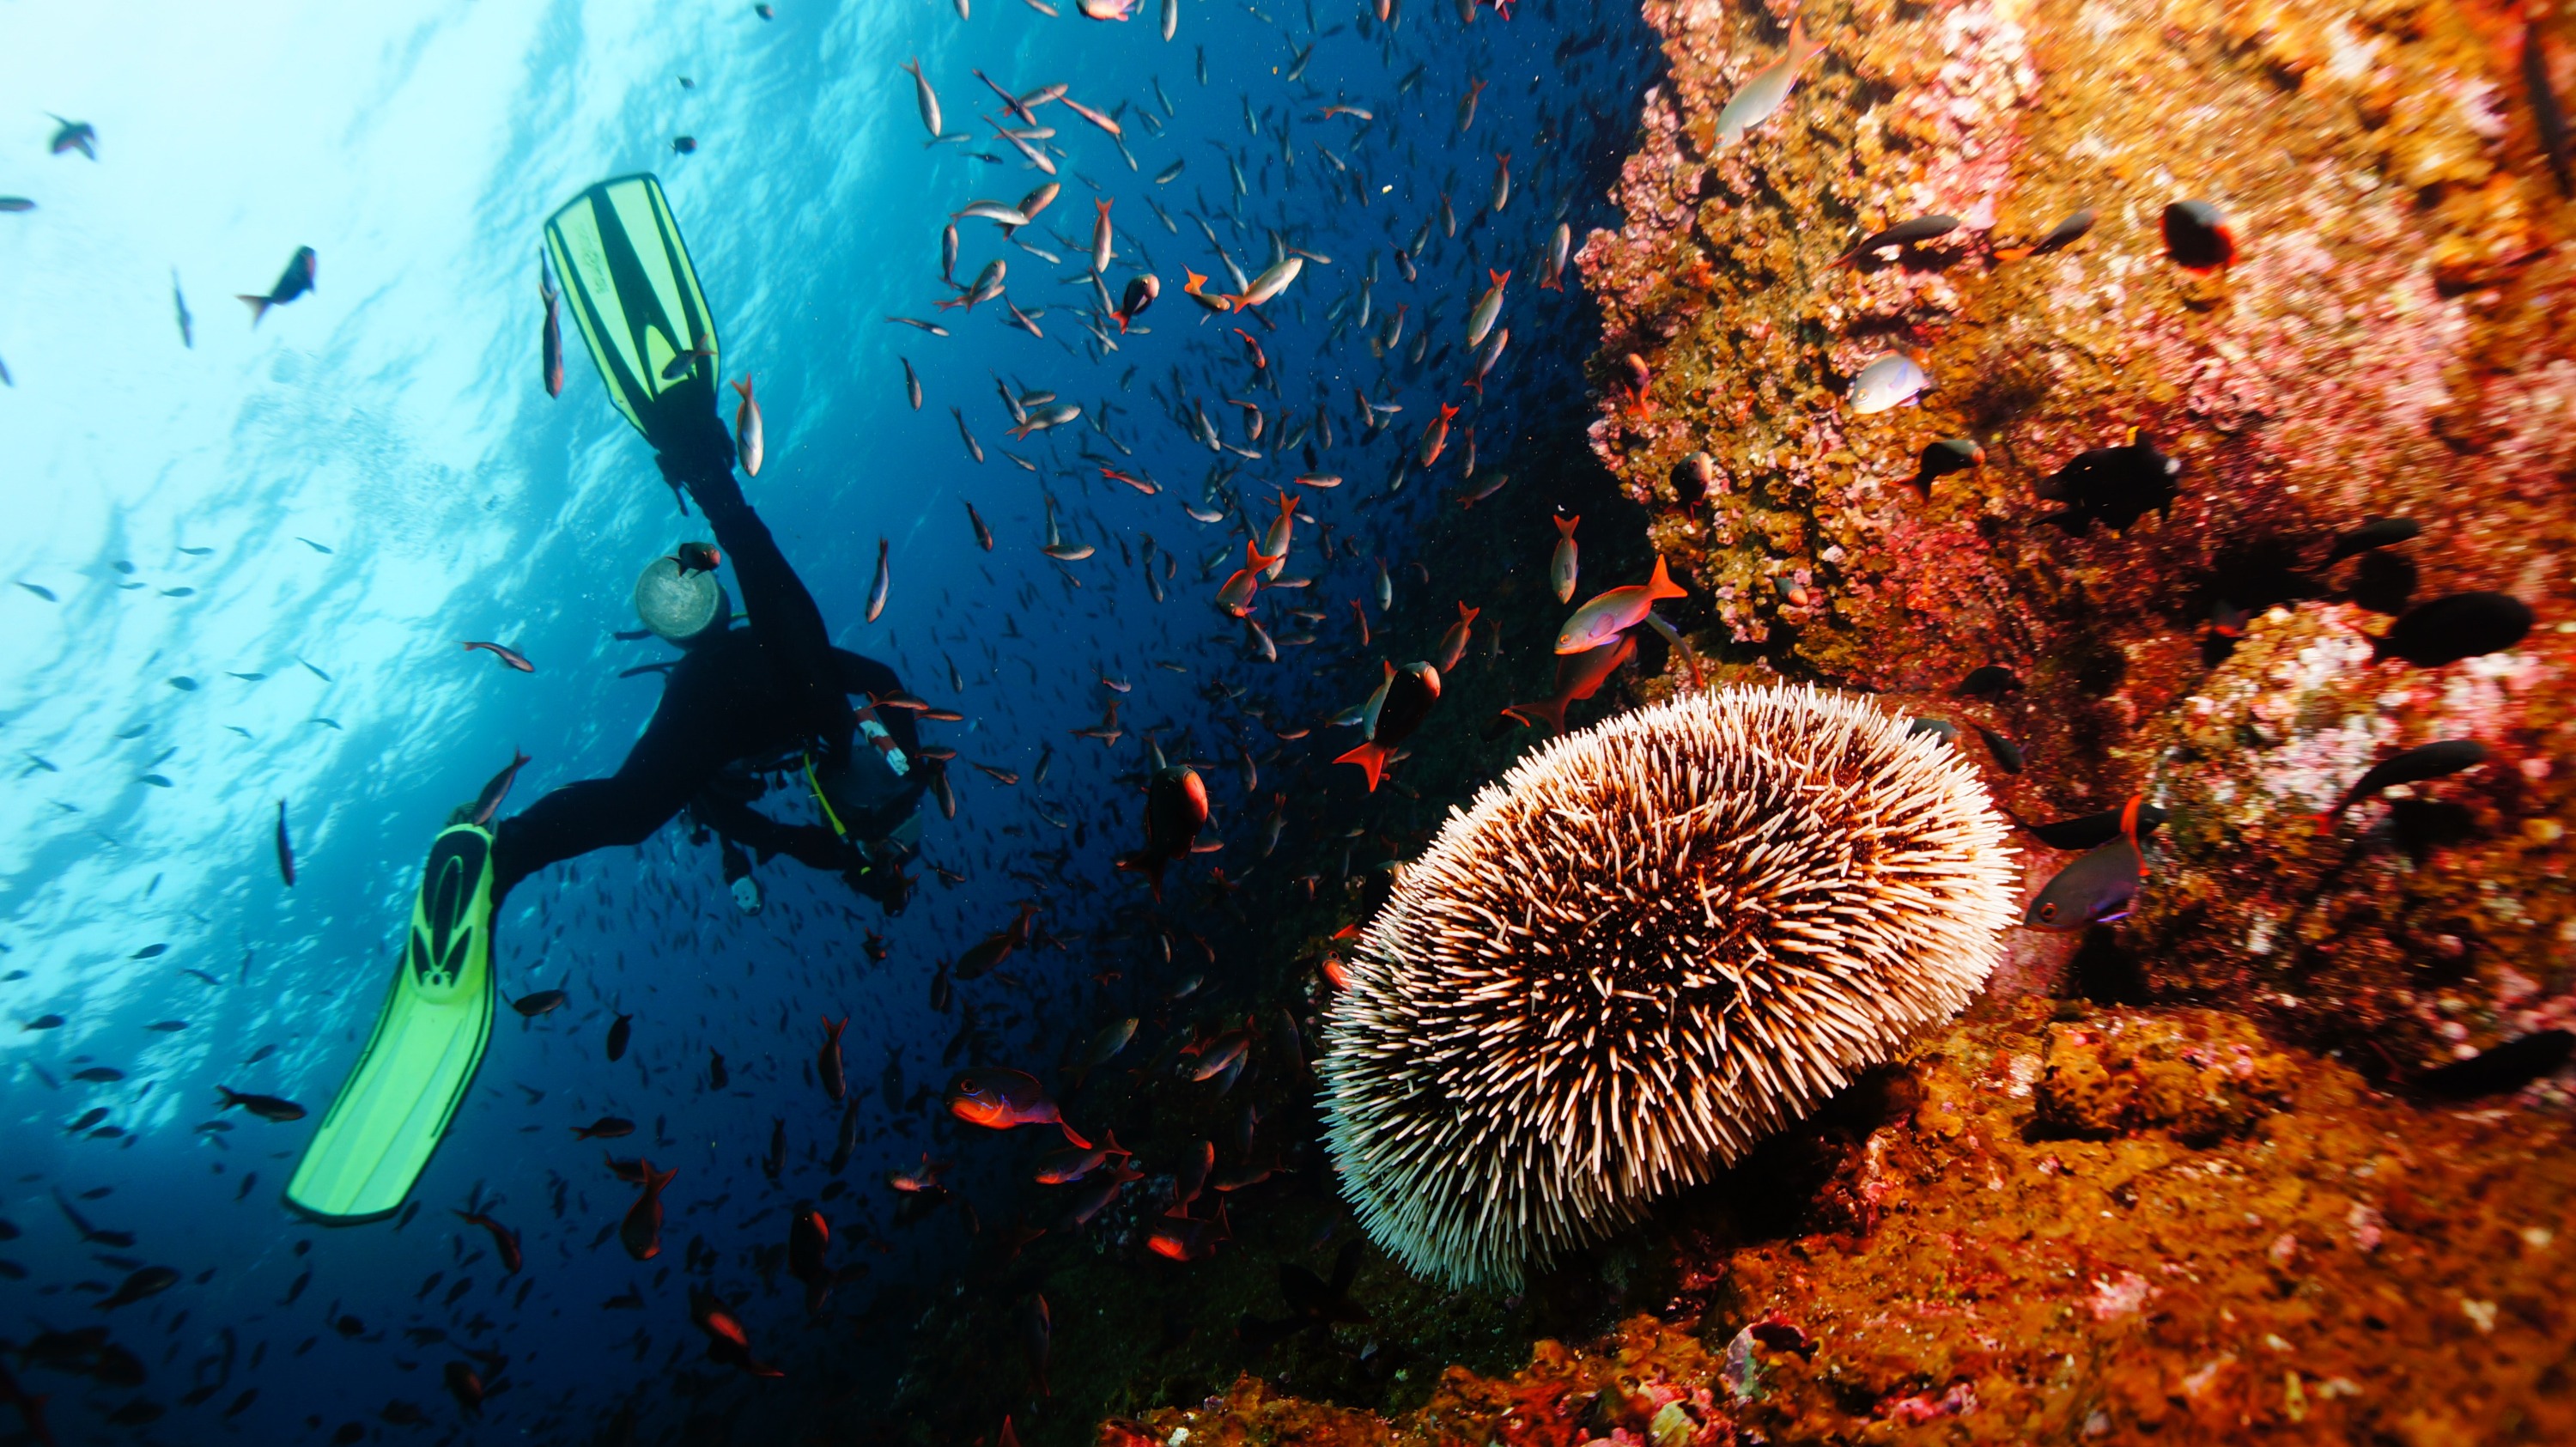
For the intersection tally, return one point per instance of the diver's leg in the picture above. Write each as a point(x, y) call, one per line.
point(689, 740)
point(811, 845)
point(783, 616)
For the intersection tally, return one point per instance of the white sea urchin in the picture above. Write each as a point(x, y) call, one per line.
point(1650, 945)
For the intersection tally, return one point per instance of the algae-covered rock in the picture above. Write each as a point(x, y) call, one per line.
point(2389, 339)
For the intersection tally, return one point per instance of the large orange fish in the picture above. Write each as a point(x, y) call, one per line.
point(1615, 612)
point(1578, 677)
point(1234, 598)
point(1001, 1099)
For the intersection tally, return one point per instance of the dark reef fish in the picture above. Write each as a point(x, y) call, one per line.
point(1578, 677)
point(1940, 459)
point(1903, 233)
point(2424, 761)
point(266, 1107)
point(641, 1231)
point(2197, 237)
point(827, 1060)
point(2097, 888)
point(504, 1240)
point(2448, 629)
point(1402, 703)
point(2376, 532)
point(2091, 830)
point(2510, 1066)
point(285, 847)
point(2114, 486)
point(295, 281)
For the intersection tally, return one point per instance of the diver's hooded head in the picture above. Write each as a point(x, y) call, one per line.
point(681, 606)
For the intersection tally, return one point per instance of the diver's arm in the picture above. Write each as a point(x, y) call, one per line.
point(783, 617)
point(867, 677)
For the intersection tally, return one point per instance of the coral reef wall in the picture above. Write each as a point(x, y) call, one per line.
point(2392, 339)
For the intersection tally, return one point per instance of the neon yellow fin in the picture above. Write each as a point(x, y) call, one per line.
point(386, 1122)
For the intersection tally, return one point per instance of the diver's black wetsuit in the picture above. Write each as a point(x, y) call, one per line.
point(776, 688)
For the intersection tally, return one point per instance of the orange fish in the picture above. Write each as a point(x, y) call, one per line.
point(1436, 436)
point(1453, 643)
point(1215, 302)
point(1615, 612)
point(504, 1240)
point(1001, 1099)
point(1182, 1239)
point(1235, 598)
point(727, 1342)
point(1578, 677)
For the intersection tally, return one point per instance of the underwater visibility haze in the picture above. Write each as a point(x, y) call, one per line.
point(1161, 721)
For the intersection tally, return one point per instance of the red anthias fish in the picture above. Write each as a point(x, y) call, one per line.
point(1001, 1099)
point(1405, 700)
point(1181, 1239)
point(642, 1228)
point(1578, 677)
point(926, 1178)
point(727, 1342)
point(504, 1240)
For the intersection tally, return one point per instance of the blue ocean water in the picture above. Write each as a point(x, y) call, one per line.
point(245, 558)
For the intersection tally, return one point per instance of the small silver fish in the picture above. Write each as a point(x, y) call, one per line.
point(1764, 94)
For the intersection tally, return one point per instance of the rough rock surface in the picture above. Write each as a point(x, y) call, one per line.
point(2390, 341)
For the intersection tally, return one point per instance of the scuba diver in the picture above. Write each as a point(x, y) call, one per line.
point(772, 697)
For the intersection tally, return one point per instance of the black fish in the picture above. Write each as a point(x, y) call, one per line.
point(2114, 486)
point(150, 1281)
point(776, 1161)
point(618, 1031)
point(100, 1074)
point(2094, 829)
point(717, 1077)
point(266, 1107)
point(285, 848)
point(2096, 888)
point(2197, 237)
point(1992, 681)
point(1940, 459)
point(2424, 761)
point(2007, 755)
point(2448, 629)
point(2509, 1066)
point(1903, 233)
point(2373, 533)
point(543, 1002)
point(2065, 233)
point(1314, 1304)
point(2545, 114)
point(295, 281)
